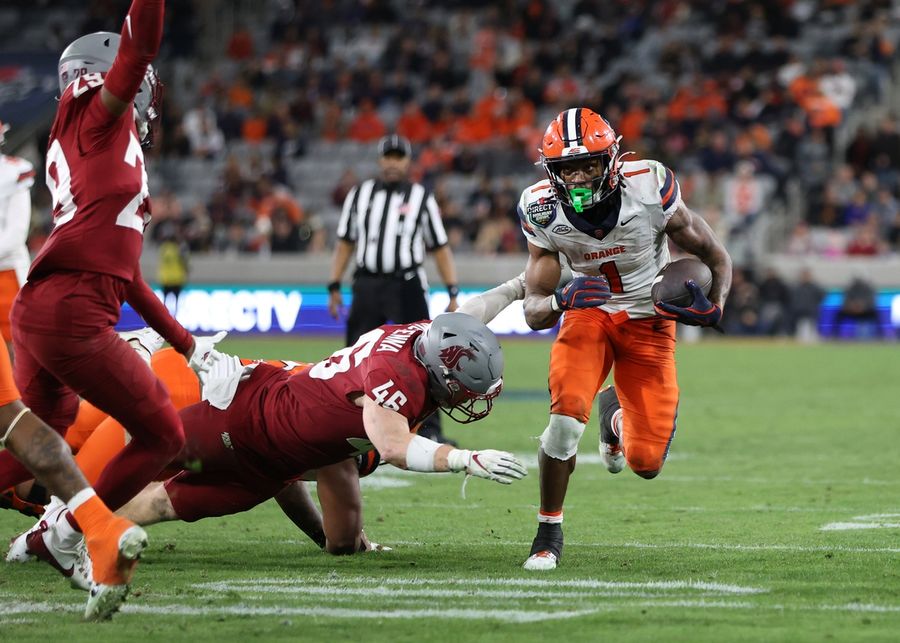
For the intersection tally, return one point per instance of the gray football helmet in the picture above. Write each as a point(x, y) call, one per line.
point(96, 52)
point(464, 363)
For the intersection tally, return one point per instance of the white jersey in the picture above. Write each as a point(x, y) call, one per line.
point(16, 179)
point(630, 254)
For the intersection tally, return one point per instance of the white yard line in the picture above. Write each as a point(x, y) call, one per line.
point(635, 545)
point(478, 583)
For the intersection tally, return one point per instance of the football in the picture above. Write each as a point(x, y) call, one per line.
point(669, 283)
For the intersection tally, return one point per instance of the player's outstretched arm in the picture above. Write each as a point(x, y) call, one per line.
point(157, 316)
point(692, 234)
point(141, 37)
point(487, 305)
point(389, 432)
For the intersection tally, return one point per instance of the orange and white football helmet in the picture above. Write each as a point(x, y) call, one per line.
point(578, 134)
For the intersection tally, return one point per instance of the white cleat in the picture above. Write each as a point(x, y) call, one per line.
point(541, 561)
point(105, 600)
point(145, 341)
point(610, 445)
point(18, 547)
point(46, 543)
point(612, 457)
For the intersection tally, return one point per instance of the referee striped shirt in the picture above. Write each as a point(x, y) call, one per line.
point(391, 225)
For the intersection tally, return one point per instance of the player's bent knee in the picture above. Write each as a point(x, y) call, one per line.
point(644, 462)
point(560, 439)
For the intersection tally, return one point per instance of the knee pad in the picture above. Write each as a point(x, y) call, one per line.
point(560, 439)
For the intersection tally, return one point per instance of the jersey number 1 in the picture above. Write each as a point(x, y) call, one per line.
point(611, 272)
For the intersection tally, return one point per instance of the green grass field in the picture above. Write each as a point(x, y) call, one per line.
point(777, 518)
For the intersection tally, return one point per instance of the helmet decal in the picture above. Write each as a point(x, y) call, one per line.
point(451, 355)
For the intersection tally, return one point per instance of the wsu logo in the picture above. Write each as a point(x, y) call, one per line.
point(451, 355)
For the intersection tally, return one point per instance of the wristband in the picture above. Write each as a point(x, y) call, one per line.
point(554, 305)
point(452, 290)
point(420, 454)
point(334, 286)
point(458, 460)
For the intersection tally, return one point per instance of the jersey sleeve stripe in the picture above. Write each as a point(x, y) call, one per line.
point(668, 193)
point(24, 176)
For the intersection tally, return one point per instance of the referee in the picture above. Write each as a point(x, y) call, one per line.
point(390, 222)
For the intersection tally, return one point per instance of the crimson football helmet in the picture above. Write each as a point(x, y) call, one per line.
point(95, 53)
point(464, 363)
point(579, 134)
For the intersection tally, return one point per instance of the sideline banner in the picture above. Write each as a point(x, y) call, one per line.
point(280, 310)
point(303, 310)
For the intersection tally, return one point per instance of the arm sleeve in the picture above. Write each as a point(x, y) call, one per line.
point(141, 36)
point(346, 229)
point(157, 315)
point(435, 235)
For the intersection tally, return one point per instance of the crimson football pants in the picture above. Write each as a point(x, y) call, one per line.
point(214, 482)
point(53, 371)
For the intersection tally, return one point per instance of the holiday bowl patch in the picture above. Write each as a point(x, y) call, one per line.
point(541, 212)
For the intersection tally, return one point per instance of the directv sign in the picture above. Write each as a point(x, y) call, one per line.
point(278, 310)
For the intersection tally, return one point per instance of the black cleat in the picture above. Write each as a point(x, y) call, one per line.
point(546, 550)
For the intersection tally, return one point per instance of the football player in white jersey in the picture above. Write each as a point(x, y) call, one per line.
point(16, 179)
point(609, 219)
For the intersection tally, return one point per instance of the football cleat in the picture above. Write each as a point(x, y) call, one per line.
point(610, 446)
point(105, 599)
point(45, 543)
point(145, 341)
point(546, 550)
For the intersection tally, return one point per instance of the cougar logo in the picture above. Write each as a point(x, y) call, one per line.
point(451, 355)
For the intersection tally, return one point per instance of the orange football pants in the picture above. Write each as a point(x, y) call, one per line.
point(9, 288)
point(97, 437)
point(641, 353)
point(8, 391)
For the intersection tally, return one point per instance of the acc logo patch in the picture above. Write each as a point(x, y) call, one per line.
point(541, 212)
point(562, 229)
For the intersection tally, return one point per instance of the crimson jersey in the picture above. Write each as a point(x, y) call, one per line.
point(308, 420)
point(97, 178)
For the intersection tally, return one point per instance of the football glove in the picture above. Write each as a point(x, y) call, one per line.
point(701, 312)
point(498, 466)
point(581, 292)
point(201, 358)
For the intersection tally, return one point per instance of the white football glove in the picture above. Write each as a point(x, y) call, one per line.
point(203, 347)
point(219, 383)
point(498, 466)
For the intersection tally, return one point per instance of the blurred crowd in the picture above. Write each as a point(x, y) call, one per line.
point(772, 113)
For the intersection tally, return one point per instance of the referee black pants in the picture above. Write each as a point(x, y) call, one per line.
point(378, 300)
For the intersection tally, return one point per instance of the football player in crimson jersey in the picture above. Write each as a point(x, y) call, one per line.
point(365, 396)
point(97, 438)
point(610, 220)
point(63, 318)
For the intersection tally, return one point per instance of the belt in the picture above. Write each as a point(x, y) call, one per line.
point(399, 275)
